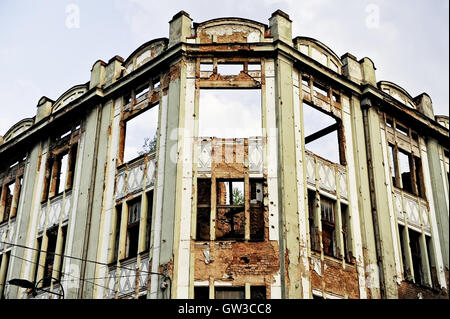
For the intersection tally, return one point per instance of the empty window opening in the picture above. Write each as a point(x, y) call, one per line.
point(206, 67)
point(229, 292)
point(401, 129)
point(346, 233)
point(254, 67)
point(229, 69)
point(141, 92)
point(134, 215)
point(230, 113)
point(230, 213)
point(203, 209)
point(405, 171)
point(403, 245)
point(52, 236)
point(419, 177)
point(140, 134)
point(8, 200)
point(320, 89)
point(256, 210)
point(431, 261)
point(116, 234)
point(156, 84)
point(313, 230)
point(258, 292)
point(321, 133)
point(328, 227)
point(62, 174)
point(4, 258)
point(389, 122)
point(305, 83)
point(65, 134)
point(336, 97)
point(149, 220)
point(392, 164)
point(201, 292)
point(414, 243)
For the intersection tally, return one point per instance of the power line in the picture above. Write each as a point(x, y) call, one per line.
point(62, 273)
point(82, 259)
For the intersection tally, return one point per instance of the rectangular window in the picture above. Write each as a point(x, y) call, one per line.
point(414, 243)
point(321, 134)
point(230, 216)
point(201, 292)
point(148, 230)
point(134, 215)
point(4, 258)
point(256, 210)
point(392, 160)
point(345, 228)
point(116, 234)
point(229, 292)
point(62, 174)
point(328, 227)
point(258, 292)
point(403, 245)
point(203, 209)
point(140, 134)
point(228, 113)
point(52, 237)
point(313, 231)
point(405, 171)
point(229, 69)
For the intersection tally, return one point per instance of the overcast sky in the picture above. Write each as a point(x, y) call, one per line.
point(45, 49)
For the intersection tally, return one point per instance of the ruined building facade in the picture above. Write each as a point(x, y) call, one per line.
point(247, 216)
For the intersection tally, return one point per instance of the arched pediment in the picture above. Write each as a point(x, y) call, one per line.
point(144, 53)
point(229, 30)
point(318, 51)
point(18, 128)
point(68, 96)
point(397, 92)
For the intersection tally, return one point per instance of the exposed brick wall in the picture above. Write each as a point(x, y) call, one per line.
point(336, 280)
point(410, 290)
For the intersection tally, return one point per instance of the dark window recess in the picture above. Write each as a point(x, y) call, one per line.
point(64, 237)
point(256, 210)
point(201, 292)
point(313, 231)
point(117, 232)
point(229, 293)
point(328, 227)
point(419, 177)
point(203, 209)
point(6, 257)
point(346, 233)
point(258, 292)
point(401, 230)
point(432, 264)
point(38, 256)
point(414, 242)
point(405, 171)
point(230, 213)
point(134, 215)
point(149, 220)
point(52, 236)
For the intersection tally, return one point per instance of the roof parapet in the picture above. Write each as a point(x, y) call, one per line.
point(179, 28)
point(361, 72)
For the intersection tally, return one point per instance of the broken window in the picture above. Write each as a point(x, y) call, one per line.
point(203, 208)
point(256, 210)
point(414, 243)
point(52, 236)
point(140, 134)
point(10, 195)
point(328, 227)
point(201, 292)
point(4, 263)
point(126, 242)
point(321, 134)
point(258, 292)
point(313, 231)
point(345, 228)
point(403, 245)
point(230, 113)
point(407, 168)
point(229, 292)
point(230, 215)
point(229, 69)
point(134, 215)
